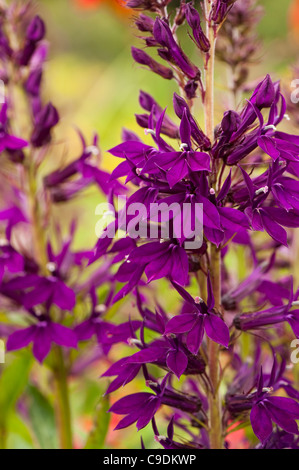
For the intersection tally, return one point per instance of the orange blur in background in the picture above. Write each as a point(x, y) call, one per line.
point(117, 5)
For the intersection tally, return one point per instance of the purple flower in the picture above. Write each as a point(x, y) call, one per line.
point(180, 164)
point(35, 290)
point(283, 411)
point(138, 407)
point(42, 335)
point(201, 319)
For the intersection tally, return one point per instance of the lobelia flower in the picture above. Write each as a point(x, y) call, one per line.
point(142, 407)
point(202, 318)
point(62, 184)
point(31, 290)
point(272, 316)
point(106, 333)
point(283, 411)
point(179, 164)
point(42, 335)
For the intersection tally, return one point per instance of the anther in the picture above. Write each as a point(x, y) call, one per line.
point(149, 131)
point(51, 267)
point(264, 190)
point(101, 308)
point(93, 150)
point(183, 146)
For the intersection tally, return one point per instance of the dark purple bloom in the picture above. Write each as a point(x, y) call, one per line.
point(202, 318)
point(283, 411)
point(42, 335)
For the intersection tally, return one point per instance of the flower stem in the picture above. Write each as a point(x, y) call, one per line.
point(215, 416)
point(63, 402)
point(216, 434)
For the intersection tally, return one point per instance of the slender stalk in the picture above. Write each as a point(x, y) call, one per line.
point(216, 432)
point(39, 241)
point(215, 416)
point(63, 402)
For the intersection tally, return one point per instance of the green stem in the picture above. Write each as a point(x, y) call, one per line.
point(215, 415)
point(63, 402)
point(216, 432)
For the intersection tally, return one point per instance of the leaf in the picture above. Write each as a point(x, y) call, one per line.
point(42, 418)
point(97, 436)
point(12, 383)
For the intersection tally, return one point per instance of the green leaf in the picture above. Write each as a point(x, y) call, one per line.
point(19, 431)
point(42, 418)
point(97, 436)
point(13, 381)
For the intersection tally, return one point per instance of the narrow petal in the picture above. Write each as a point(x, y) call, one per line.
point(20, 339)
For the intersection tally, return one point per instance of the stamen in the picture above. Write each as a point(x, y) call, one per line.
point(149, 131)
point(138, 171)
point(198, 300)
point(51, 267)
point(183, 146)
point(101, 308)
point(264, 190)
point(93, 150)
point(134, 342)
point(287, 117)
point(212, 191)
point(295, 303)
point(271, 126)
point(38, 311)
point(267, 389)
point(160, 438)
point(150, 382)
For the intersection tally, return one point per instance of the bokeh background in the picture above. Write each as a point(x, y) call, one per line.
point(92, 80)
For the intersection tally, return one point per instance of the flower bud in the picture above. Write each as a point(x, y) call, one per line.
point(36, 30)
point(45, 121)
point(144, 59)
